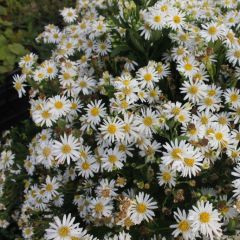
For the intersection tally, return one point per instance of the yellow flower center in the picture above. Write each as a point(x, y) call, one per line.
point(27, 231)
point(112, 159)
point(66, 149)
point(148, 77)
point(49, 187)
point(127, 128)
point(82, 84)
point(157, 19)
point(58, 105)
point(46, 114)
point(208, 101)
point(74, 106)
point(124, 104)
point(237, 54)
point(126, 82)
point(64, 231)
point(176, 111)
point(234, 97)
point(189, 162)
point(219, 136)
point(95, 111)
point(99, 207)
point(184, 226)
point(141, 207)
point(27, 58)
point(177, 19)
point(85, 166)
point(193, 90)
point(176, 153)
point(212, 30)
point(66, 76)
point(212, 92)
point(46, 151)
point(50, 70)
point(188, 67)
point(112, 128)
point(204, 217)
point(18, 86)
point(222, 120)
point(148, 121)
point(166, 176)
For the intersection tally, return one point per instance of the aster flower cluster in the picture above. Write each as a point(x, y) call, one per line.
point(137, 115)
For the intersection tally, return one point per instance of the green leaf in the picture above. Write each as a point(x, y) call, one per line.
point(3, 11)
point(11, 59)
point(9, 33)
point(136, 41)
point(3, 40)
point(17, 49)
point(5, 23)
point(4, 69)
point(4, 51)
point(119, 50)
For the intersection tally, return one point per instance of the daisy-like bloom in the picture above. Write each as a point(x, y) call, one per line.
point(233, 56)
point(28, 60)
point(66, 149)
point(65, 229)
point(236, 183)
point(100, 207)
point(27, 232)
point(112, 129)
point(209, 103)
point(212, 32)
point(147, 76)
point(121, 236)
point(50, 187)
point(179, 53)
point(102, 47)
point(192, 163)
point(39, 74)
point(232, 96)
point(192, 130)
point(162, 70)
point(66, 77)
point(45, 154)
point(106, 189)
point(220, 137)
point(183, 226)
point(50, 69)
point(142, 208)
point(176, 20)
point(175, 154)
point(130, 128)
point(44, 116)
point(194, 91)
point(235, 114)
point(19, 84)
point(69, 14)
point(87, 167)
point(205, 220)
point(225, 207)
point(188, 66)
point(113, 159)
point(95, 111)
point(166, 176)
point(156, 19)
point(6, 159)
point(59, 105)
point(147, 121)
point(85, 85)
point(145, 31)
